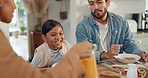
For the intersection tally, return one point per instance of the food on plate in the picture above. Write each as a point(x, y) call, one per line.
point(129, 58)
point(141, 73)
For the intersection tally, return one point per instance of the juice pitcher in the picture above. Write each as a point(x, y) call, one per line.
point(90, 64)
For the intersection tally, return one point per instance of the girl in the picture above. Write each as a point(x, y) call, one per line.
point(54, 47)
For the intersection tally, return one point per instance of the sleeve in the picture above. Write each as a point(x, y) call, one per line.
point(16, 67)
point(98, 56)
point(129, 44)
point(34, 61)
point(81, 33)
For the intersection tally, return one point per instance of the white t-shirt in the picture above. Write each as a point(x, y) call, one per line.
point(103, 30)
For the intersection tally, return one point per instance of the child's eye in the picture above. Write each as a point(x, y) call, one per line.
point(52, 34)
point(61, 33)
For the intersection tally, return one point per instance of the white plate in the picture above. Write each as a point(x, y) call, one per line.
point(127, 58)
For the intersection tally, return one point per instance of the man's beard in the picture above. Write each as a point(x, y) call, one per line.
point(98, 16)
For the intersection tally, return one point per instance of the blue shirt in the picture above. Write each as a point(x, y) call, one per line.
point(118, 33)
point(57, 56)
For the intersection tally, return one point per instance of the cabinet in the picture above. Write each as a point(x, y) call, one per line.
point(142, 40)
point(36, 40)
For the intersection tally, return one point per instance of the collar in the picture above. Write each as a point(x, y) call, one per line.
point(92, 21)
point(60, 50)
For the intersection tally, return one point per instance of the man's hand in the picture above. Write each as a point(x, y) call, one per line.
point(143, 55)
point(114, 50)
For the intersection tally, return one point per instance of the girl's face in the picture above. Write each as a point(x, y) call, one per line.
point(6, 10)
point(55, 37)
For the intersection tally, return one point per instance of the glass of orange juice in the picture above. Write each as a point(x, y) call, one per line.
point(90, 65)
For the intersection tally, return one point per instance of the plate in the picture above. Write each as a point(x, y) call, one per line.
point(127, 58)
point(141, 73)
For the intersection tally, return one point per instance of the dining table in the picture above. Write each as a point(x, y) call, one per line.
point(106, 69)
point(104, 72)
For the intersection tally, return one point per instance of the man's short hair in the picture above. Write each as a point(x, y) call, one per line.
point(105, 0)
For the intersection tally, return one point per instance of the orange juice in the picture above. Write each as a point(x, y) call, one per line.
point(91, 68)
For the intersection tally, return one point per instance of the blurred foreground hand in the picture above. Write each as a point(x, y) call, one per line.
point(71, 66)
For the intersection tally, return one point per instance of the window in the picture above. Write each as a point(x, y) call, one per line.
point(17, 30)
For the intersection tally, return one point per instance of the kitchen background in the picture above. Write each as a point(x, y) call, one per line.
point(77, 10)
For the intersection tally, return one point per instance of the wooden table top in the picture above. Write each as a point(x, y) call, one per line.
point(105, 72)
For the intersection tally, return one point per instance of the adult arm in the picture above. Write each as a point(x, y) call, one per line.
point(13, 66)
point(129, 44)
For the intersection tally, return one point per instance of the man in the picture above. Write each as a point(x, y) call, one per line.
point(13, 66)
point(108, 30)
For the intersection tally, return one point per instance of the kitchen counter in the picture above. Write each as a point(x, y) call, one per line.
point(141, 33)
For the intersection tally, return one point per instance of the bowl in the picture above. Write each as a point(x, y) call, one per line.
point(127, 58)
point(141, 73)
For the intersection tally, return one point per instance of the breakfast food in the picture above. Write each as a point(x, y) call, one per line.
point(129, 58)
point(141, 73)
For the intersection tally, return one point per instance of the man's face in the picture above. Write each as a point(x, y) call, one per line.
point(98, 8)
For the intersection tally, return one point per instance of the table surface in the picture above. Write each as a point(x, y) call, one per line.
point(106, 72)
